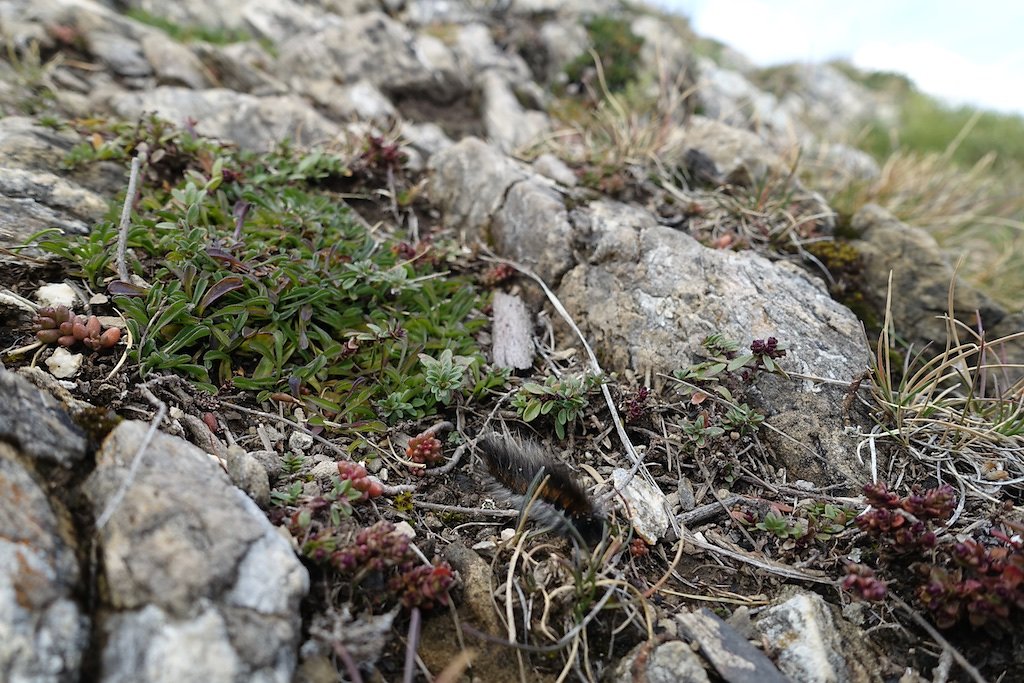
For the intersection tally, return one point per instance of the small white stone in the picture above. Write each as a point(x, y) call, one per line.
point(63, 363)
point(507, 535)
point(405, 529)
point(56, 294)
point(646, 506)
point(98, 300)
point(485, 545)
point(300, 441)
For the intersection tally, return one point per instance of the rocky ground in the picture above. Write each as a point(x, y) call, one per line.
point(365, 233)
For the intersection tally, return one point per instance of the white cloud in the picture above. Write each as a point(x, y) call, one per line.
point(964, 55)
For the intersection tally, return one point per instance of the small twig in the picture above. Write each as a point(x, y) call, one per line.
point(703, 513)
point(115, 501)
point(413, 642)
point(122, 231)
point(11, 299)
point(457, 509)
point(945, 644)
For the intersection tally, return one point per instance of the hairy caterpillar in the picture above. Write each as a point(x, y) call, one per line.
point(564, 503)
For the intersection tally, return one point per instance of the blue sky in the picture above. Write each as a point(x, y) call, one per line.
point(964, 52)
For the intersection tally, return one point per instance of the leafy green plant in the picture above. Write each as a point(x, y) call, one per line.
point(564, 399)
point(619, 50)
point(700, 430)
point(445, 374)
point(261, 280)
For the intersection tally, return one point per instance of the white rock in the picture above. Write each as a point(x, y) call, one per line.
point(807, 642)
point(56, 294)
point(300, 441)
point(645, 505)
point(405, 529)
point(64, 364)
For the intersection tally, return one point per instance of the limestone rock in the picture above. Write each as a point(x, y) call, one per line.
point(37, 423)
point(198, 581)
point(43, 631)
point(671, 662)
point(669, 292)
point(256, 123)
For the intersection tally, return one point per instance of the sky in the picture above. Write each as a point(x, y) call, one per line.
point(962, 52)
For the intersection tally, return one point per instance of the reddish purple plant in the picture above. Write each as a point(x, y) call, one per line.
point(424, 448)
point(360, 479)
point(375, 548)
point(980, 579)
point(58, 324)
point(861, 581)
point(423, 586)
point(767, 347)
point(635, 406)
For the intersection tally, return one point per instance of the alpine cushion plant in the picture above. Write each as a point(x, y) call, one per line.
point(261, 280)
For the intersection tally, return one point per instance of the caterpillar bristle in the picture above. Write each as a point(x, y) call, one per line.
point(515, 466)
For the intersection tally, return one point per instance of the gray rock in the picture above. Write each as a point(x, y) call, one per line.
point(530, 205)
point(280, 20)
point(248, 474)
point(550, 166)
point(360, 101)
point(739, 155)
point(210, 14)
point(728, 97)
point(806, 642)
point(671, 662)
point(643, 504)
point(255, 123)
point(921, 276)
point(469, 181)
point(243, 67)
point(26, 145)
point(826, 99)
point(123, 55)
point(735, 659)
point(648, 295)
point(52, 191)
point(43, 632)
point(198, 581)
point(37, 424)
point(506, 121)
point(173, 63)
point(370, 46)
point(425, 138)
point(563, 41)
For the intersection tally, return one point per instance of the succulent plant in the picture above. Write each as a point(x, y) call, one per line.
point(57, 324)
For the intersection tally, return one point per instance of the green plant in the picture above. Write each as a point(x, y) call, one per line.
point(742, 418)
point(700, 430)
point(289, 496)
point(564, 399)
point(262, 281)
point(444, 375)
point(292, 462)
point(184, 34)
point(618, 48)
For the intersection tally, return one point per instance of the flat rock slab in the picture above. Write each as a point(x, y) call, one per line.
point(43, 632)
point(37, 423)
point(198, 582)
point(735, 659)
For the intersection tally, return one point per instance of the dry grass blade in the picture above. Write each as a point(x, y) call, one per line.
point(960, 412)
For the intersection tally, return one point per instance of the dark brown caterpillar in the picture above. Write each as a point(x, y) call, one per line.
point(515, 466)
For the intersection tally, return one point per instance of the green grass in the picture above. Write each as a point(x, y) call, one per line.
point(186, 34)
